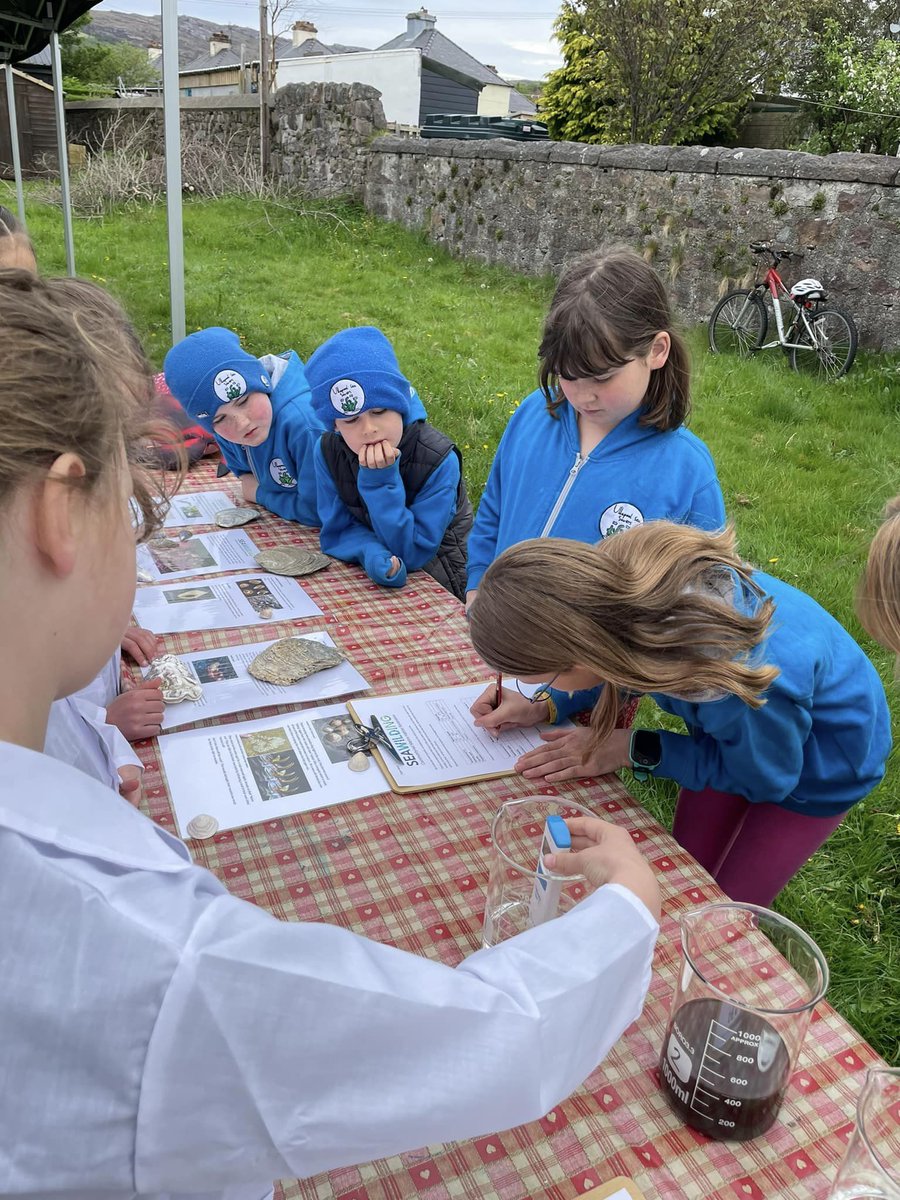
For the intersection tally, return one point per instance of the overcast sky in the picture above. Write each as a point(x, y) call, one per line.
point(515, 37)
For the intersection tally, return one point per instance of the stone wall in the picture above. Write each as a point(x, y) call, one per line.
point(226, 120)
point(321, 132)
point(690, 210)
point(533, 205)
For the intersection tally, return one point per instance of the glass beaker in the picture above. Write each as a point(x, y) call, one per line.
point(749, 982)
point(516, 833)
point(871, 1166)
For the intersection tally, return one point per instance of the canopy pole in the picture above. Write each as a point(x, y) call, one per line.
point(62, 150)
point(14, 141)
point(172, 125)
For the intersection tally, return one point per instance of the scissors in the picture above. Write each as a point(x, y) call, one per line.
point(368, 736)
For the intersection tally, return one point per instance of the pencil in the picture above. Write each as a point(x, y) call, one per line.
point(499, 699)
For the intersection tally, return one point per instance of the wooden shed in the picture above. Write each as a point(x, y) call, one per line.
point(37, 128)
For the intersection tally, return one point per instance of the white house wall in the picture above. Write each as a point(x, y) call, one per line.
point(395, 73)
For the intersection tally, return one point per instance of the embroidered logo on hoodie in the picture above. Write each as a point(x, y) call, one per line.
point(618, 517)
point(281, 474)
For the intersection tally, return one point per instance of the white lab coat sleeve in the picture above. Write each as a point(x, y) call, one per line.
point(285, 1049)
point(114, 745)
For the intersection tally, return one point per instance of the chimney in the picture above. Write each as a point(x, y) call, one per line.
point(419, 22)
point(219, 41)
point(302, 31)
point(154, 52)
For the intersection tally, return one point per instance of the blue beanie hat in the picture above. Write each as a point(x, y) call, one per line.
point(209, 369)
point(355, 370)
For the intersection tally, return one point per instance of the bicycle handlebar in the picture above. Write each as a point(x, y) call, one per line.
point(777, 255)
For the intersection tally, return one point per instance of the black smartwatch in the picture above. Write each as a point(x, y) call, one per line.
point(645, 752)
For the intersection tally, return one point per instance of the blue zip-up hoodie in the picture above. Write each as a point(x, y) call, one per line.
point(540, 486)
point(284, 464)
point(819, 743)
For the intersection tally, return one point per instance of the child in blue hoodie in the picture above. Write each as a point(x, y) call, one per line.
point(787, 725)
point(391, 496)
point(601, 445)
point(258, 410)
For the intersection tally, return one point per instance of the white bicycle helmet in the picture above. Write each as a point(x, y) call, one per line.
point(808, 289)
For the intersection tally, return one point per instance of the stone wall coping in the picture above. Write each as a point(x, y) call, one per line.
point(130, 103)
point(710, 160)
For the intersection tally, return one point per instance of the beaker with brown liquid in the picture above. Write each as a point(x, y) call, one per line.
point(749, 983)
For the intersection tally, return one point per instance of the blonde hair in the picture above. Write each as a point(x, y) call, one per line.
point(73, 379)
point(878, 595)
point(606, 311)
point(648, 610)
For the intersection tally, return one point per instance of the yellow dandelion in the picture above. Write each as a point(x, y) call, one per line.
point(484, 446)
point(861, 907)
point(773, 560)
point(855, 921)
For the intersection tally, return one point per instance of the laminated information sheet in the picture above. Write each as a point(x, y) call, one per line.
point(435, 740)
point(196, 508)
point(228, 686)
point(225, 603)
point(165, 557)
point(253, 771)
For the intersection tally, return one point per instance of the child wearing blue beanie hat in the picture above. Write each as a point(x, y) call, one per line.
point(390, 491)
point(258, 410)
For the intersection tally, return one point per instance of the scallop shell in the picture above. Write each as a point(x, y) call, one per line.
point(178, 680)
point(291, 659)
point(292, 560)
point(359, 762)
point(202, 826)
point(228, 518)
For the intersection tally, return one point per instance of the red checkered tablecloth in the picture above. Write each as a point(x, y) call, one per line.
point(411, 870)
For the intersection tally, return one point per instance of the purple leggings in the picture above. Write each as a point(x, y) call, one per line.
point(751, 850)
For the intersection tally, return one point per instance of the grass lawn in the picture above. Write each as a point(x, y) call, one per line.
point(805, 468)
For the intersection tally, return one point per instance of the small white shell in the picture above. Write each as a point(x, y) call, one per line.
point(266, 614)
point(144, 576)
point(202, 826)
point(359, 762)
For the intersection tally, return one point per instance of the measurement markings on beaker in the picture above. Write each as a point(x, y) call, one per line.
point(709, 1050)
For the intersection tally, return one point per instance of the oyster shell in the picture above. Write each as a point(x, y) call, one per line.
point(178, 681)
point(292, 560)
point(291, 659)
point(229, 518)
point(359, 762)
point(202, 826)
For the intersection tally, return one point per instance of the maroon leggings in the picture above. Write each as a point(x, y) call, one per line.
point(751, 850)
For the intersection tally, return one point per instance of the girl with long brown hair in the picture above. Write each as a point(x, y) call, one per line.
point(601, 444)
point(787, 725)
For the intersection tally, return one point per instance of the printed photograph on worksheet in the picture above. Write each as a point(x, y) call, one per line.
point(196, 508)
point(255, 770)
point(177, 557)
point(225, 603)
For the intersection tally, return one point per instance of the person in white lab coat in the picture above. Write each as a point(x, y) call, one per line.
point(158, 1036)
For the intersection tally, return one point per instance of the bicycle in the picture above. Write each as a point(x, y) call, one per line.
point(820, 337)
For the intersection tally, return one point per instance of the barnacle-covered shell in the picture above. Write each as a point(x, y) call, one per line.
point(292, 560)
point(228, 518)
point(291, 659)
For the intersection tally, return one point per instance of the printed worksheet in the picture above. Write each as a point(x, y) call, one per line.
point(197, 508)
point(274, 767)
point(228, 686)
point(225, 603)
point(175, 557)
point(435, 741)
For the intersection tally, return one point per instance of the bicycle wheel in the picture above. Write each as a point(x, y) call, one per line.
point(738, 324)
point(828, 344)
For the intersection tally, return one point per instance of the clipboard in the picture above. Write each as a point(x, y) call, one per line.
point(615, 1187)
point(358, 709)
